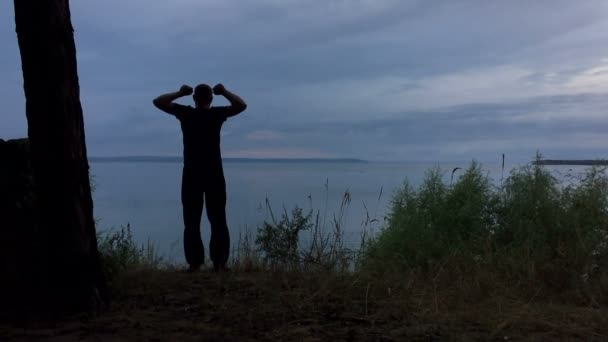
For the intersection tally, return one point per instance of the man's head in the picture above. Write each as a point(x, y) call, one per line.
point(203, 95)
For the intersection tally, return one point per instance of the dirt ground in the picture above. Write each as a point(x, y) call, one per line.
point(259, 306)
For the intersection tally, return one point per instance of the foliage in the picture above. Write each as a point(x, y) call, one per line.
point(279, 240)
point(532, 228)
point(283, 244)
point(119, 253)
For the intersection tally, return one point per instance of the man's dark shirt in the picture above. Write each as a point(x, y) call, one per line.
point(201, 131)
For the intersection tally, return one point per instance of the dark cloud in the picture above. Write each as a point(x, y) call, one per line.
point(554, 125)
point(374, 79)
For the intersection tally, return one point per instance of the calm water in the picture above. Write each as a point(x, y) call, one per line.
point(147, 195)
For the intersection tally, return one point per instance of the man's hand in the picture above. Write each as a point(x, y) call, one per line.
point(219, 89)
point(165, 101)
point(186, 90)
point(237, 105)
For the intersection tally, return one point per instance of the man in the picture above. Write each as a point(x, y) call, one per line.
point(203, 174)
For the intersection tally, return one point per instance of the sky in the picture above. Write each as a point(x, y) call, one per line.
point(387, 80)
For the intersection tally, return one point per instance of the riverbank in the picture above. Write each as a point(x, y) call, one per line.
point(455, 261)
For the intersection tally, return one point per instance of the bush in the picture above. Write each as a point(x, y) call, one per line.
point(119, 252)
point(437, 220)
point(281, 244)
point(278, 241)
point(533, 228)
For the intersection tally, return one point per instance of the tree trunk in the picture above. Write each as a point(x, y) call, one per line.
point(70, 271)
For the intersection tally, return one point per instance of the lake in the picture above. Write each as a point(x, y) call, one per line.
point(146, 195)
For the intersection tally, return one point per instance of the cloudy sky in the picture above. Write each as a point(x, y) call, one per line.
point(371, 79)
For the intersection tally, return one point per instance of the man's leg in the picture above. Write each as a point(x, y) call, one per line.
point(219, 245)
point(192, 202)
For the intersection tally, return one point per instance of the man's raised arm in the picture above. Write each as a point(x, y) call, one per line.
point(237, 105)
point(165, 102)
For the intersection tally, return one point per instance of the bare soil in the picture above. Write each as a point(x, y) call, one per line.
point(262, 306)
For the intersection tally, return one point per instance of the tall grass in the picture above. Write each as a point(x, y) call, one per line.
point(299, 240)
point(120, 253)
point(530, 230)
point(303, 240)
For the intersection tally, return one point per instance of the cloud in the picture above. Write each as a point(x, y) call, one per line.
point(264, 135)
point(560, 126)
point(373, 79)
point(566, 126)
point(278, 153)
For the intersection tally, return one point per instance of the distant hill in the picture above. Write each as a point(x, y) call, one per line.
point(571, 162)
point(167, 159)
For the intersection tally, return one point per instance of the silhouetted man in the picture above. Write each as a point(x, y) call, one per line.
point(203, 174)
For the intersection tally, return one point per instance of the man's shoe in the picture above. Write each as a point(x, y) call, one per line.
point(193, 268)
point(220, 268)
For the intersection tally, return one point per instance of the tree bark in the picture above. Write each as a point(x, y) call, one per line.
point(70, 271)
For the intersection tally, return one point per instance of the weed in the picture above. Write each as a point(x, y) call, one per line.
point(119, 253)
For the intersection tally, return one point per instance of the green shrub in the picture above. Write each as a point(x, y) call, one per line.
point(278, 241)
point(437, 220)
point(119, 253)
point(532, 228)
point(281, 243)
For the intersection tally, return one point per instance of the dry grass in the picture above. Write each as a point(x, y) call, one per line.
point(279, 306)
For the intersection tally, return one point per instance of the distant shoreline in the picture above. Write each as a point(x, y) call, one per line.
point(598, 162)
point(168, 159)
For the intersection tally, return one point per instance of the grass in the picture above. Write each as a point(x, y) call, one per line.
point(169, 305)
point(120, 254)
point(534, 236)
point(459, 260)
point(303, 241)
